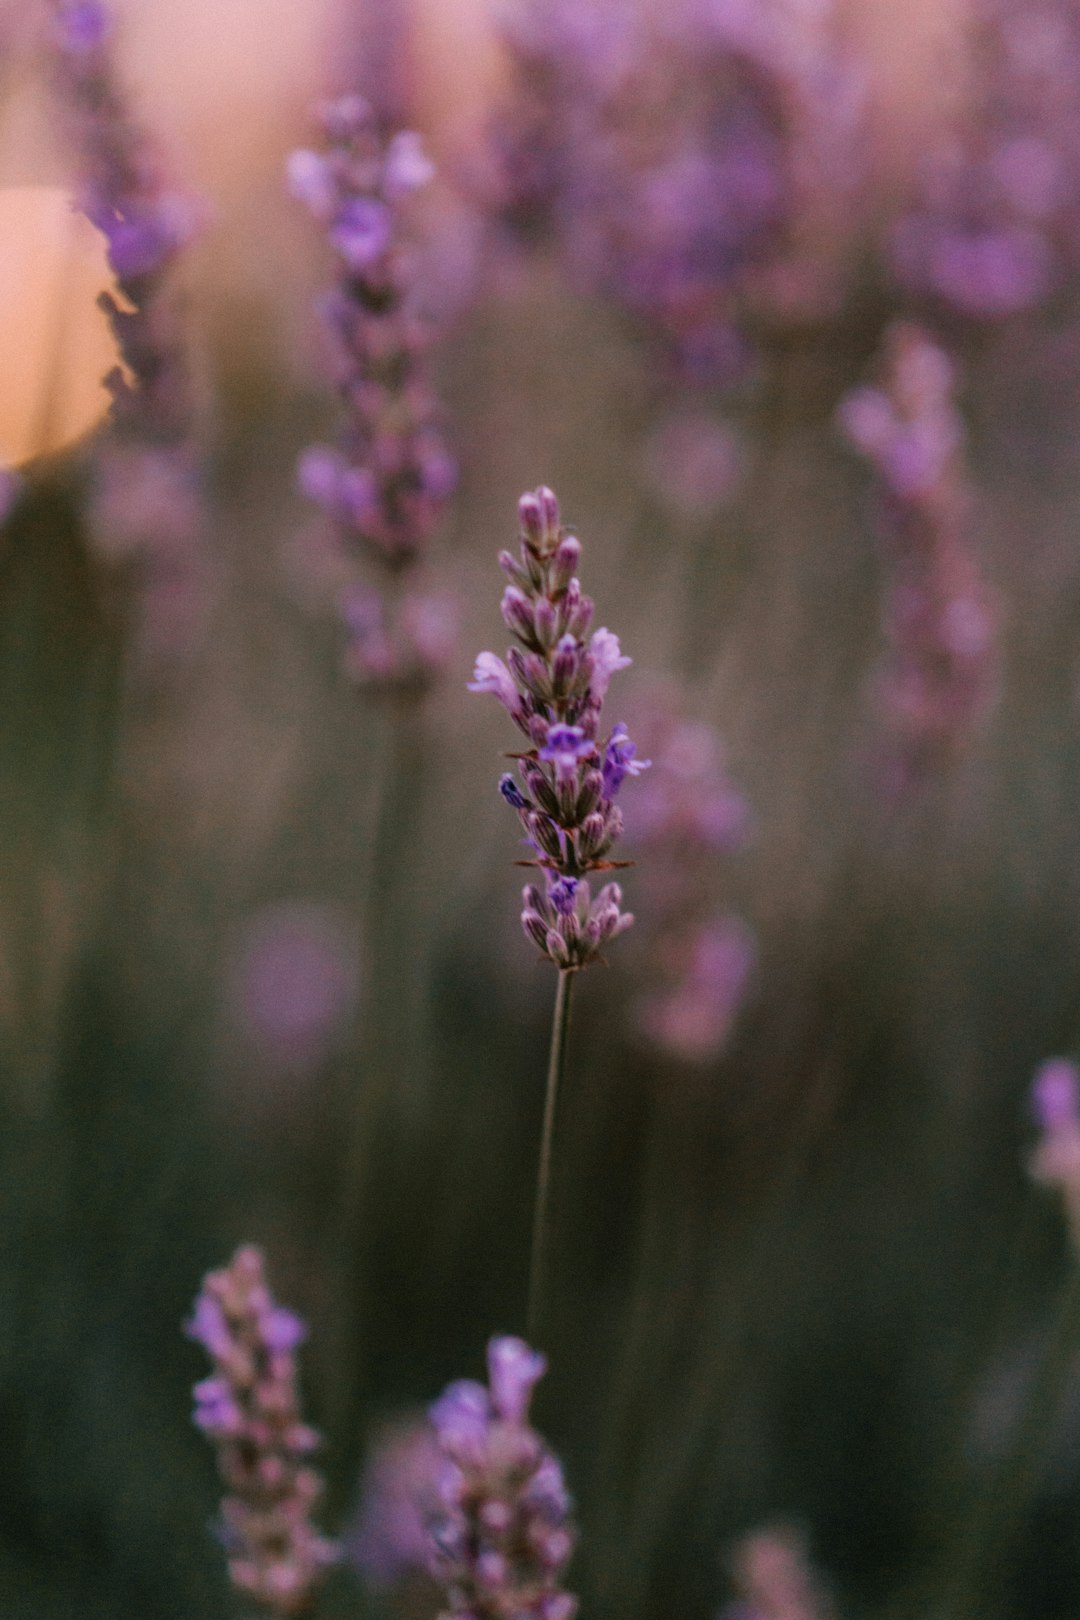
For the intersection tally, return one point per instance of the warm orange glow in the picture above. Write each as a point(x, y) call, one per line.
point(55, 345)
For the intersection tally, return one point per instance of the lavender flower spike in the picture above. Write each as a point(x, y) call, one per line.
point(386, 483)
point(553, 685)
point(502, 1539)
point(249, 1409)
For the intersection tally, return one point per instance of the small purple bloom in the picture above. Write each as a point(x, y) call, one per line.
point(620, 761)
point(492, 675)
point(607, 658)
point(461, 1415)
point(361, 232)
point(208, 1327)
point(283, 1329)
point(565, 748)
point(1055, 1094)
point(563, 896)
point(408, 166)
point(513, 1368)
point(82, 25)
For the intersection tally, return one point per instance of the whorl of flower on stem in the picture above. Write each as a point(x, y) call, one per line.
point(553, 685)
point(1055, 1098)
point(249, 1409)
point(502, 1538)
point(386, 484)
point(940, 676)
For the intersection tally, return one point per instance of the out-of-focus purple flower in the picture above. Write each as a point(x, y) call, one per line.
point(293, 984)
point(1055, 1100)
point(939, 678)
point(693, 463)
point(387, 483)
point(698, 165)
point(249, 1408)
point(502, 1536)
point(774, 1578)
point(992, 227)
point(146, 507)
point(553, 686)
point(691, 1016)
point(399, 1499)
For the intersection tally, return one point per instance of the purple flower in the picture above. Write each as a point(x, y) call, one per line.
point(249, 1408)
point(502, 1540)
point(620, 761)
point(408, 166)
point(82, 25)
point(607, 658)
point(361, 232)
point(513, 1369)
point(565, 748)
point(1055, 1095)
point(492, 675)
point(563, 895)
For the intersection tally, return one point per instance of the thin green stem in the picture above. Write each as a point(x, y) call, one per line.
point(987, 1540)
point(560, 1024)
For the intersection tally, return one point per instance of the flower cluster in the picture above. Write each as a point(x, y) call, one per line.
point(146, 508)
point(993, 229)
point(502, 1537)
point(1055, 1096)
point(553, 685)
point(249, 1408)
point(386, 483)
point(939, 678)
point(698, 171)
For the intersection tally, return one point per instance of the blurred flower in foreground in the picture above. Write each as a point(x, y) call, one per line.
point(993, 228)
point(249, 1409)
point(502, 1536)
point(294, 984)
point(386, 484)
point(147, 509)
point(939, 677)
point(696, 165)
point(553, 686)
point(398, 1501)
point(773, 1577)
point(695, 958)
point(1055, 1099)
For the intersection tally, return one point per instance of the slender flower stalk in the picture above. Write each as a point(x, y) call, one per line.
point(146, 506)
point(249, 1408)
point(502, 1538)
point(775, 1580)
point(385, 484)
point(552, 685)
point(939, 678)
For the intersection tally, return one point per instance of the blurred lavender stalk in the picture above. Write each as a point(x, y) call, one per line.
point(553, 686)
point(1056, 1160)
point(146, 506)
point(386, 484)
point(502, 1535)
point(249, 1409)
point(384, 488)
point(939, 679)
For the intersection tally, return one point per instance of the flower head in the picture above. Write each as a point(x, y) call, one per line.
point(502, 1537)
point(553, 686)
point(249, 1408)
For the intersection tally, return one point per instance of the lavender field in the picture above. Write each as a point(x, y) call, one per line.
point(540, 810)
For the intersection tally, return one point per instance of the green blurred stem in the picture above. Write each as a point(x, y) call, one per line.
point(560, 1024)
point(386, 1060)
point(979, 1557)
